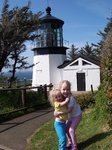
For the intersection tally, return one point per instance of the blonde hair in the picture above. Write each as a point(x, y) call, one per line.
point(52, 95)
point(66, 82)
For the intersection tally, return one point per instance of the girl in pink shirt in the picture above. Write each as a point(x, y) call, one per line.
point(75, 114)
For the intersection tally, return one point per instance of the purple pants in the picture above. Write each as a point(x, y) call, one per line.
point(71, 126)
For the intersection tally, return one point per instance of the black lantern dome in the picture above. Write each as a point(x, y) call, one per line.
point(48, 18)
point(50, 34)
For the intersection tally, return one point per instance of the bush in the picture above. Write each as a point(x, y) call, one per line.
point(85, 100)
point(11, 100)
point(34, 98)
point(101, 107)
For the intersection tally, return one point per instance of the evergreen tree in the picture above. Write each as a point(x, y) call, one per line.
point(106, 72)
point(106, 31)
point(16, 27)
point(72, 52)
point(103, 35)
point(16, 61)
point(89, 51)
point(106, 61)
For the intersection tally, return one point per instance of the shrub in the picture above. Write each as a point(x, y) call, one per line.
point(102, 110)
point(101, 102)
point(9, 100)
point(85, 100)
point(34, 98)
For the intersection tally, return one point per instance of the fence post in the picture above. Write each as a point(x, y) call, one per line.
point(40, 89)
point(50, 86)
point(23, 97)
point(24, 81)
point(45, 91)
point(92, 89)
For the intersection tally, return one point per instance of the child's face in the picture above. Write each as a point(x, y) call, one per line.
point(58, 97)
point(65, 90)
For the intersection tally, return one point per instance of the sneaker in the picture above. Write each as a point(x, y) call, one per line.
point(74, 147)
point(69, 145)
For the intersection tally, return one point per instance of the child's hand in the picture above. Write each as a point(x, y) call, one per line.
point(56, 114)
point(67, 100)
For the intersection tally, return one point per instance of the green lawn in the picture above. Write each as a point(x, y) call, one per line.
point(92, 134)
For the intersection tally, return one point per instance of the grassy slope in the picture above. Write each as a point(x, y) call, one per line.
point(92, 134)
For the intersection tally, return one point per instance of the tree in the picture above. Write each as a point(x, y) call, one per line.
point(97, 51)
point(89, 51)
point(103, 35)
point(72, 52)
point(16, 26)
point(106, 61)
point(106, 72)
point(106, 31)
point(16, 61)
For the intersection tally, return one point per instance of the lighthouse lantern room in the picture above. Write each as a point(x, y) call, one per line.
point(49, 52)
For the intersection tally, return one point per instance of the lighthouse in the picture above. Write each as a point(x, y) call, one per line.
point(50, 63)
point(49, 52)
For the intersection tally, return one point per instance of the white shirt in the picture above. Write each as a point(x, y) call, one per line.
point(76, 110)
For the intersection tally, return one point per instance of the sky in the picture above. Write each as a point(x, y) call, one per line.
point(83, 19)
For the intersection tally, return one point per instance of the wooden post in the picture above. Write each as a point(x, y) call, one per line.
point(45, 91)
point(23, 97)
point(24, 82)
point(40, 90)
point(50, 86)
point(92, 89)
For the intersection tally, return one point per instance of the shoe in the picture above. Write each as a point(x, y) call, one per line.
point(69, 145)
point(74, 147)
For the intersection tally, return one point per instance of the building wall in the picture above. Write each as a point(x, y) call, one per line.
point(92, 74)
point(55, 73)
point(45, 71)
point(92, 77)
point(41, 70)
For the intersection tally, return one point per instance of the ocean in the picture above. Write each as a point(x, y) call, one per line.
point(21, 75)
point(24, 75)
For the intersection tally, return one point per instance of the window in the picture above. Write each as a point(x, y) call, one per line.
point(85, 63)
point(75, 63)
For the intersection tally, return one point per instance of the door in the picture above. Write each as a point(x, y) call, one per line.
point(81, 82)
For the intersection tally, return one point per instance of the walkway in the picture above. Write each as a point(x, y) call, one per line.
point(13, 134)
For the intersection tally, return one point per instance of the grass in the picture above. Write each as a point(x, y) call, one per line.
point(92, 134)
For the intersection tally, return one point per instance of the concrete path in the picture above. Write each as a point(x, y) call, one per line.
point(14, 133)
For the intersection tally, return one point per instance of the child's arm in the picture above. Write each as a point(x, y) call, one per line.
point(64, 102)
point(68, 110)
point(56, 114)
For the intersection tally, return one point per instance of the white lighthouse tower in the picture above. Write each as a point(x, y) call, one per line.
point(49, 52)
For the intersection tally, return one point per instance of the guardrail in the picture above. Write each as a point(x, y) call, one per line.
point(40, 89)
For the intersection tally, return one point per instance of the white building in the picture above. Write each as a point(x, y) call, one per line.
point(82, 72)
point(50, 61)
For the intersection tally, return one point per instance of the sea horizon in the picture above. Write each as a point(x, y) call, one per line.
point(21, 75)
